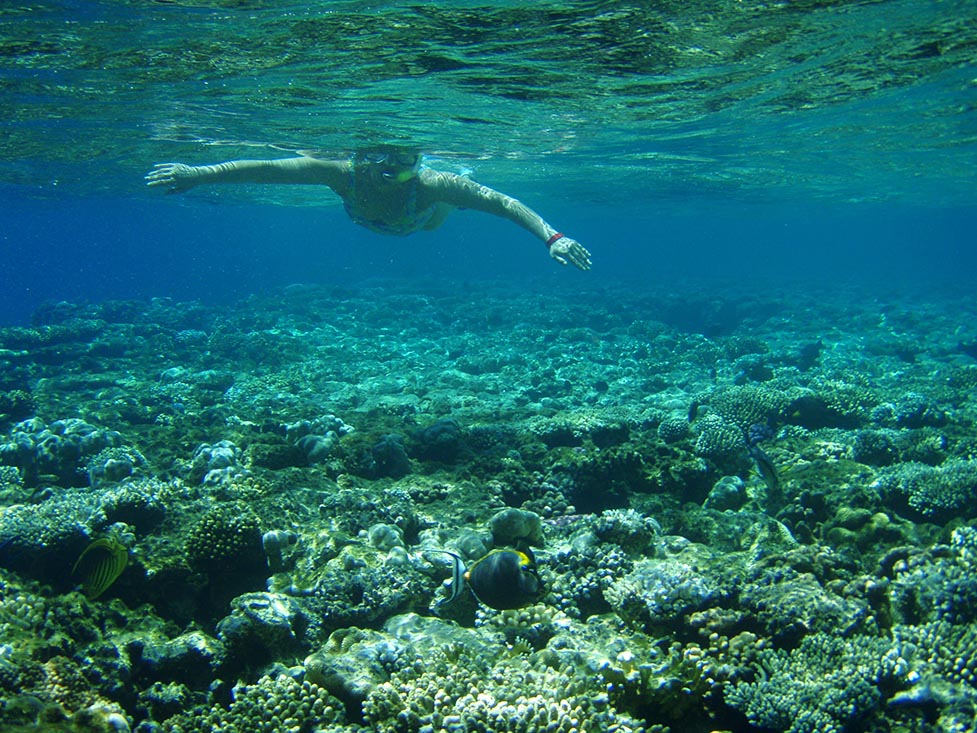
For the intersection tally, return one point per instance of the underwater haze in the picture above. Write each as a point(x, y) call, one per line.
point(265, 470)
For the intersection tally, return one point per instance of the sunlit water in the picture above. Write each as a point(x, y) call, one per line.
point(685, 138)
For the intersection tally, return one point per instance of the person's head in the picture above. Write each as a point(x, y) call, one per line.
point(388, 164)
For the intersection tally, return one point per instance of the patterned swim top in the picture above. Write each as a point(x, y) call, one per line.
point(410, 221)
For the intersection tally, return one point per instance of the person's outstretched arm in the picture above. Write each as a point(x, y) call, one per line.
point(465, 193)
point(180, 177)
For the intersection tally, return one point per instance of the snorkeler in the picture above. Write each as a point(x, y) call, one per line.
point(387, 190)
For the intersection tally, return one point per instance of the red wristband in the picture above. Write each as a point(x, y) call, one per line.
point(556, 237)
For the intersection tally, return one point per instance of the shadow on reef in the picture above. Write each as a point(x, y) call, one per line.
point(780, 544)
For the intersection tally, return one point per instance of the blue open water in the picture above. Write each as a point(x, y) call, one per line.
point(92, 249)
point(782, 142)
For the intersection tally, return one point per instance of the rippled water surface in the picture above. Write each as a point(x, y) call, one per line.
point(784, 101)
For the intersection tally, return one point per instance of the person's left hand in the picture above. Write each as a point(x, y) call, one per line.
point(568, 251)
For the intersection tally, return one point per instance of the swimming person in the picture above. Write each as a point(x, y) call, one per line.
point(386, 189)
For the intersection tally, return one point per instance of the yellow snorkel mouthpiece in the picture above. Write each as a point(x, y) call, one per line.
point(401, 177)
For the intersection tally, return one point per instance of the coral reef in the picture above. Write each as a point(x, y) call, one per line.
point(288, 574)
point(933, 491)
point(280, 704)
point(825, 685)
point(61, 450)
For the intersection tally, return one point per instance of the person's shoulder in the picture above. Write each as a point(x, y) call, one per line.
point(333, 172)
point(428, 174)
point(337, 164)
point(444, 180)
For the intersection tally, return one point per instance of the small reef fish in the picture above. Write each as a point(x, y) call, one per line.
point(765, 466)
point(502, 579)
point(100, 565)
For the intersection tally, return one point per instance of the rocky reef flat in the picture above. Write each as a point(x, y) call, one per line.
point(748, 511)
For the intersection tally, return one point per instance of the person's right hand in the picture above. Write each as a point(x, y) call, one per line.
point(176, 176)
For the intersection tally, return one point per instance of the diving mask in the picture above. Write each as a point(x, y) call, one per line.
point(393, 166)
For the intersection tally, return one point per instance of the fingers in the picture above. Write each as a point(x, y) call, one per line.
point(159, 175)
point(582, 259)
point(162, 169)
point(570, 252)
point(162, 174)
point(579, 256)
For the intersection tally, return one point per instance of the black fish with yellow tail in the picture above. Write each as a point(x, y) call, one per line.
point(502, 579)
